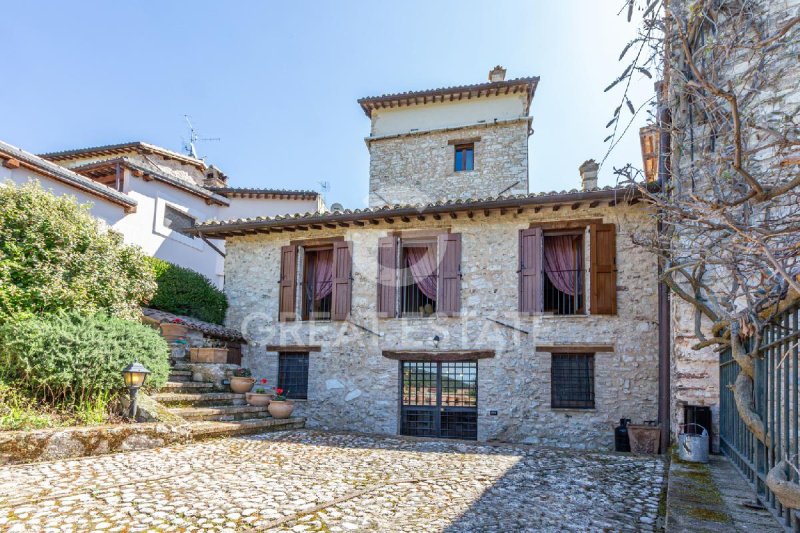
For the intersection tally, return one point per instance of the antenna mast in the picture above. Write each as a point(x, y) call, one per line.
point(190, 147)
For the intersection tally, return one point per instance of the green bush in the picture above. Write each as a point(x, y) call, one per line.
point(185, 292)
point(75, 359)
point(54, 256)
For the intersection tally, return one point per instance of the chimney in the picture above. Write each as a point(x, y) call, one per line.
point(588, 172)
point(498, 73)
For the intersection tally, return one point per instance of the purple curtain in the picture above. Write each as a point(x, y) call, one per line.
point(322, 273)
point(560, 262)
point(422, 262)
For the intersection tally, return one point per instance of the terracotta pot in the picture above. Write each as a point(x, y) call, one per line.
point(240, 385)
point(258, 399)
point(173, 332)
point(281, 409)
point(208, 355)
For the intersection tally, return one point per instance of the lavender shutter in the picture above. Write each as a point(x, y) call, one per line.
point(288, 284)
point(387, 277)
point(531, 292)
point(603, 269)
point(448, 302)
point(342, 280)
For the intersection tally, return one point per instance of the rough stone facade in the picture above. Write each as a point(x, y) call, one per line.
point(419, 167)
point(352, 386)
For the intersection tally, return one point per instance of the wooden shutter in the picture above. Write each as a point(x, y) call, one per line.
point(342, 280)
point(288, 284)
point(387, 277)
point(448, 287)
point(531, 291)
point(603, 269)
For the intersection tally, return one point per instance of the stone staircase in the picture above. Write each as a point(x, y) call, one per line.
point(213, 413)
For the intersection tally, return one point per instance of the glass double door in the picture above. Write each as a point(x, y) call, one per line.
point(439, 399)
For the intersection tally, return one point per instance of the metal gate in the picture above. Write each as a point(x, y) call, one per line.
point(775, 391)
point(439, 399)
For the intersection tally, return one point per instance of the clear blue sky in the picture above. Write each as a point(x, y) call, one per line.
point(278, 81)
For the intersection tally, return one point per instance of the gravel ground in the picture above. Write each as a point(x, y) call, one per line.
point(314, 481)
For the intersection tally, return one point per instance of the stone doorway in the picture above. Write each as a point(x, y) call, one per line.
point(439, 399)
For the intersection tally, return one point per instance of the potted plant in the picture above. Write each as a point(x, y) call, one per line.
point(212, 351)
point(241, 381)
point(174, 330)
point(261, 396)
point(280, 406)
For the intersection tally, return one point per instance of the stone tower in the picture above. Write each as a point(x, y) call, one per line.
point(469, 141)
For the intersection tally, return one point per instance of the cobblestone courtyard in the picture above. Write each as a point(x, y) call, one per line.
point(313, 481)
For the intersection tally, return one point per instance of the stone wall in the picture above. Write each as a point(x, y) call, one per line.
point(352, 386)
point(419, 167)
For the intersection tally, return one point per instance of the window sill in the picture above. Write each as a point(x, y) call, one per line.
point(415, 318)
point(549, 316)
point(573, 409)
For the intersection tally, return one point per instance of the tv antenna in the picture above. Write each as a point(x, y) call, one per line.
point(325, 186)
point(190, 148)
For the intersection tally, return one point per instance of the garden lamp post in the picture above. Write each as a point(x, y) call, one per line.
point(135, 375)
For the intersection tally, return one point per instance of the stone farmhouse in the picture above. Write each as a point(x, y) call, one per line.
point(151, 195)
point(457, 304)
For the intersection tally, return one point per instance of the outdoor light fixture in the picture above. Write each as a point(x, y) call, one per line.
point(436, 341)
point(134, 375)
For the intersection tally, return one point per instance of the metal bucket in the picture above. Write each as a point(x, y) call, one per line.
point(693, 447)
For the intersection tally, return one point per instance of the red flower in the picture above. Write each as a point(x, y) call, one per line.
point(279, 391)
point(177, 321)
point(263, 381)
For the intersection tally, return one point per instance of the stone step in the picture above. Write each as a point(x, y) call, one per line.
point(221, 413)
point(175, 372)
point(198, 399)
point(209, 429)
point(187, 386)
point(179, 377)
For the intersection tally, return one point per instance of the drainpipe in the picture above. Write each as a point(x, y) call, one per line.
point(664, 345)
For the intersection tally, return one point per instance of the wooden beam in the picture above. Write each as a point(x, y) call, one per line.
point(537, 209)
point(136, 172)
point(612, 203)
point(147, 177)
point(344, 224)
point(316, 226)
point(317, 242)
point(575, 348)
point(358, 223)
point(11, 163)
point(437, 216)
point(294, 348)
point(470, 214)
point(487, 212)
point(438, 355)
point(374, 222)
point(556, 207)
point(594, 204)
point(405, 219)
point(389, 220)
point(329, 225)
point(576, 205)
point(453, 214)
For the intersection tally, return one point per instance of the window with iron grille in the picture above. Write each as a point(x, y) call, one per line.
point(293, 374)
point(177, 220)
point(418, 278)
point(317, 289)
point(572, 381)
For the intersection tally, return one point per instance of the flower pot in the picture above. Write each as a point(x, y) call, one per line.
point(240, 385)
point(173, 332)
point(280, 409)
point(258, 399)
point(645, 439)
point(208, 355)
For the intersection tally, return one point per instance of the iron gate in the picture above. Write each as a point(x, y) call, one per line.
point(439, 399)
point(776, 397)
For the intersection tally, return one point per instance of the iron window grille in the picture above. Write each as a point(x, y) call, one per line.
point(563, 303)
point(293, 374)
point(572, 381)
point(177, 220)
point(413, 302)
point(314, 308)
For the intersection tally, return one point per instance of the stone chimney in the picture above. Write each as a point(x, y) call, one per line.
point(588, 172)
point(498, 73)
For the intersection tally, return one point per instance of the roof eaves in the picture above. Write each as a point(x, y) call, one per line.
point(68, 176)
point(139, 146)
point(209, 228)
point(238, 191)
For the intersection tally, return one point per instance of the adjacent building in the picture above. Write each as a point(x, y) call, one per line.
point(151, 195)
point(457, 304)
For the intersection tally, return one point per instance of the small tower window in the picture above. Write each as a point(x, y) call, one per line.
point(465, 157)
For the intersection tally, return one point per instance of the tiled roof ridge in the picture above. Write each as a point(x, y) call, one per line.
point(472, 86)
point(233, 190)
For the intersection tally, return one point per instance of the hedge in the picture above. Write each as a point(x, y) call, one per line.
point(55, 256)
point(74, 358)
point(185, 292)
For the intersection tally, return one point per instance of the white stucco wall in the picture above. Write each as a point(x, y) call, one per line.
point(100, 207)
point(399, 120)
point(254, 207)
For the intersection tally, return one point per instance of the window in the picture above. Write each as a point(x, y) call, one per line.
point(418, 281)
point(317, 286)
point(293, 374)
point(572, 381)
point(552, 272)
point(464, 157)
point(563, 279)
point(177, 220)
